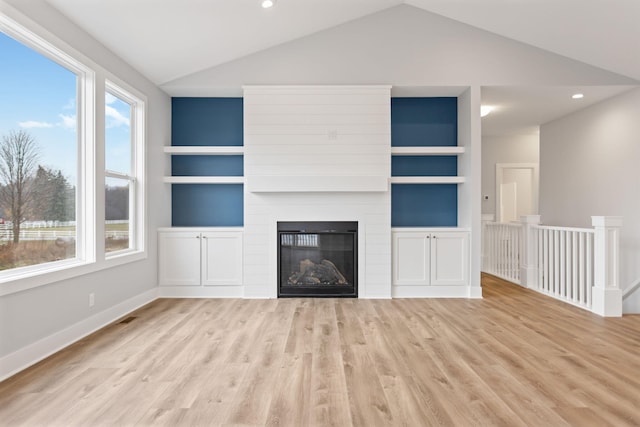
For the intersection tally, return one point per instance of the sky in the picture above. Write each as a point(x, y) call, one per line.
point(39, 96)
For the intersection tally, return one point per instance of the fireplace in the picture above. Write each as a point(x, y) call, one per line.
point(317, 259)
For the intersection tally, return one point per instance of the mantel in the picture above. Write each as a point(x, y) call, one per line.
point(338, 184)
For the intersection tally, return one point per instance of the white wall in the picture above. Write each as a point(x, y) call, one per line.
point(34, 319)
point(504, 149)
point(401, 46)
point(589, 166)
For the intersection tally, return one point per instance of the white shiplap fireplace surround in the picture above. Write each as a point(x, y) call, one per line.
point(317, 154)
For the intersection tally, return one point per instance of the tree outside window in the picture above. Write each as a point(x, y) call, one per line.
point(38, 157)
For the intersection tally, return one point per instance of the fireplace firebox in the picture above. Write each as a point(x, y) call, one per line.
point(317, 259)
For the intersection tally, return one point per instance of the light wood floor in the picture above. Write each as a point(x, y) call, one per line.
point(514, 358)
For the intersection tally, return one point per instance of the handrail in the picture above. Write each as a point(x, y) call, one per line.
point(560, 228)
point(631, 289)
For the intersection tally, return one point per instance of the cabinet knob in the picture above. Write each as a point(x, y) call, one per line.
point(197, 237)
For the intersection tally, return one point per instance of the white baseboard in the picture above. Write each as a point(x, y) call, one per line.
point(411, 291)
point(201, 292)
point(21, 359)
point(475, 292)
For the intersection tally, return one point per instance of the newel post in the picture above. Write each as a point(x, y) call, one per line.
point(528, 265)
point(606, 292)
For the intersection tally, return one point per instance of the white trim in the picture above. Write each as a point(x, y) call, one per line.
point(90, 195)
point(201, 229)
point(428, 291)
point(324, 89)
point(137, 179)
point(427, 179)
point(204, 179)
point(475, 292)
point(500, 167)
point(427, 151)
point(21, 359)
point(338, 184)
point(231, 291)
point(429, 229)
point(204, 150)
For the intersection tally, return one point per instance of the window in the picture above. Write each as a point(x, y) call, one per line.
point(50, 224)
point(122, 137)
point(39, 166)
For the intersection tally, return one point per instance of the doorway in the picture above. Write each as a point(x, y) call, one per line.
point(516, 190)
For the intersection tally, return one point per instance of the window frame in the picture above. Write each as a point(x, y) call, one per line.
point(137, 103)
point(90, 215)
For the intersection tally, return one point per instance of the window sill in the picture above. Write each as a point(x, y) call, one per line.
point(61, 270)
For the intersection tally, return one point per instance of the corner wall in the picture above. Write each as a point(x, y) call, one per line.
point(589, 166)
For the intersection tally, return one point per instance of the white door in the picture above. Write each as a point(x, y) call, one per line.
point(509, 202)
point(516, 190)
point(222, 259)
point(179, 258)
point(411, 259)
point(449, 258)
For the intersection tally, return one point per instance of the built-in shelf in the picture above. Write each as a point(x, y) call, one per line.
point(195, 150)
point(427, 179)
point(427, 151)
point(204, 179)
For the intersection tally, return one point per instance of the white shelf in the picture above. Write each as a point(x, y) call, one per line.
point(427, 180)
point(307, 184)
point(195, 150)
point(426, 151)
point(204, 179)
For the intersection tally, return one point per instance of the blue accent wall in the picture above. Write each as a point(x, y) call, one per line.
point(424, 205)
point(417, 122)
point(207, 121)
point(207, 205)
point(424, 166)
point(424, 122)
point(207, 166)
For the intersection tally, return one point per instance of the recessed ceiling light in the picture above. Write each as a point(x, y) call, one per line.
point(268, 3)
point(485, 110)
point(577, 96)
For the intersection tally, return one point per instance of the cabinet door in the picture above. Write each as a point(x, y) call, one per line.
point(222, 258)
point(449, 258)
point(411, 258)
point(179, 258)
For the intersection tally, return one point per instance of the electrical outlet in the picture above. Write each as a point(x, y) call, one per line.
point(92, 299)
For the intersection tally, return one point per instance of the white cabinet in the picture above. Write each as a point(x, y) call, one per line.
point(430, 258)
point(200, 258)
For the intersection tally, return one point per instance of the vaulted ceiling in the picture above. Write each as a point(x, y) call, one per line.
point(167, 40)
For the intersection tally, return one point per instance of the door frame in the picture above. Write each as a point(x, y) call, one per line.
point(501, 167)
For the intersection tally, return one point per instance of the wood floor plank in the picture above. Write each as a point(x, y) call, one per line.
point(514, 358)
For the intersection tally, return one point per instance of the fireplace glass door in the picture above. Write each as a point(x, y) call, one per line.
point(317, 259)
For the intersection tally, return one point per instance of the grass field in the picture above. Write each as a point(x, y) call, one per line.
point(32, 252)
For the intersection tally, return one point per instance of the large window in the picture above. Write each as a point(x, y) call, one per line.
point(50, 146)
point(38, 157)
